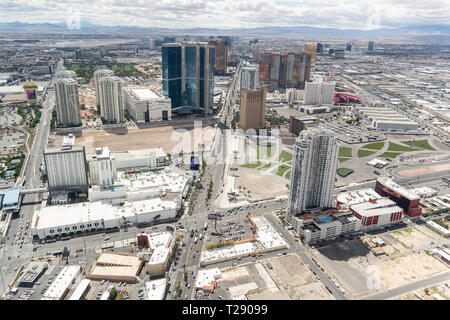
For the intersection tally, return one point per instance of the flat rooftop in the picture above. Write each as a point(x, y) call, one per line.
point(206, 277)
point(62, 215)
point(143, 94)
point(373, 208)
point(267, 235)
point(64, 279)
point(397, 188)
point(357, 196)
point(156, 289)
point(116, 265)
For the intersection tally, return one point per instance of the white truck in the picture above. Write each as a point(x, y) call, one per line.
point(195, 240)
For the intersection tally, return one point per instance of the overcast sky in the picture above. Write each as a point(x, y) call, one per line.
point(343, 14)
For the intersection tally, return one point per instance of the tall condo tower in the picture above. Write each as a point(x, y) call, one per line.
point(313, 171)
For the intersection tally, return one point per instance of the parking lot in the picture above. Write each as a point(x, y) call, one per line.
point(341, 259)
point(9, 116)
point(232, 228)
point(10, 141)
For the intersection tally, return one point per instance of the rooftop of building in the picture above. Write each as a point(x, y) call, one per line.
point(352, 197)
point(32, 271)
point(85, 212)
point(376, 207)
point(10, 198)
point(397, 188)
point(266, 233)
point(167, 181)
point(80, 289)
point(206, 277)
point(60, 284)
point(157, 152)
point(116, 265)
point(143, 93)
point(156, 289)
point(227, 252)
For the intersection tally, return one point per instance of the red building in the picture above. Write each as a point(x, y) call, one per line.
point(405, 199)
point(220, 55)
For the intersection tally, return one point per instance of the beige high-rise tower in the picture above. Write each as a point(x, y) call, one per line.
point(253, 109)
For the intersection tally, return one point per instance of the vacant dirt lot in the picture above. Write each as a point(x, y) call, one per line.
point(345, 261)
point(295, 279)
point(424, 170)
point(412, 267)
point(171, 139)
point(411, 238)
point(261, 185)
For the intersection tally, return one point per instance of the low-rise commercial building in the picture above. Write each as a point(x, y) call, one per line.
point(150, 159)
point(31, 273)
point(377, 213)
point(156, 289)
point(298, 124)
point(386, 119)
point(116, 267)
point(319, 226)
point(160, 244)
point(81, 290)
point(62, 284)
point(145, 105)
point(84, 217)
point(404, 198)
point(344, 200)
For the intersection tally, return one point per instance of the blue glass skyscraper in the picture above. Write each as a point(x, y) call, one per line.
point(188, 76)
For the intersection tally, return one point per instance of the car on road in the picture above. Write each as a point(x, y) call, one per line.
point(107, 238)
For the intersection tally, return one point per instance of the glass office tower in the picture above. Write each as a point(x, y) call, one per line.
point(188, 76)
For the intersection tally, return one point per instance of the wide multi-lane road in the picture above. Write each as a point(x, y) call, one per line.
point(18, 247)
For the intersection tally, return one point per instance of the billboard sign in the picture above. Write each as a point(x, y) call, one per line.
point(31, 94)
point(195, 163)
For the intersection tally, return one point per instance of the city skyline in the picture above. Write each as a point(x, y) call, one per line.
point(364, 15)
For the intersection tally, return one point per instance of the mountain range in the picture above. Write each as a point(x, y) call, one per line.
point(414, 31)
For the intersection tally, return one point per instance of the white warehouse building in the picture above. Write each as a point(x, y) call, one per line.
point(145, 105)
point(76, 218)
point(151, 159)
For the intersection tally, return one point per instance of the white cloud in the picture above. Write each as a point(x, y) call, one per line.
point(345, 14)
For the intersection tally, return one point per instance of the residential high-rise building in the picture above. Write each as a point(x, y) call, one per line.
point(313, 171)
point(220, 55)
point(249, 77)
point(253, 109)
point(229, 40)
point(370, 46)
point(98, 74)
point(151, 44)
point(311, 49)
point(66, 168)
point(317, 93)
point(188, 76)
point(111, 102)
point(78, 54)
point(102, 168)
point(67, 102)
point(282, 71)
point(64, 74)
